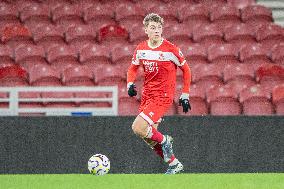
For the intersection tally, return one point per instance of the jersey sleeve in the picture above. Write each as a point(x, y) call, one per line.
point(135, 58)
point(178, 57)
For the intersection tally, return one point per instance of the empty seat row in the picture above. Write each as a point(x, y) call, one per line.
point(219, 54)
point(118, 11)
point(181, 34)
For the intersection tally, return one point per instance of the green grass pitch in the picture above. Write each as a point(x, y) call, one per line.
point(143, 181)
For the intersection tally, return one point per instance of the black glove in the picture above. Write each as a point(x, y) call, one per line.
point(132, 91)
point(184, 102)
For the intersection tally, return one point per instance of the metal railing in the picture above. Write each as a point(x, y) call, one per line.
point(11, 100)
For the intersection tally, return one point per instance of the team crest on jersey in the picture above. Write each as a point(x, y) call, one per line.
point(161, 56)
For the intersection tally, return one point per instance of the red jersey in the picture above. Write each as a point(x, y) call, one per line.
point(160, 66)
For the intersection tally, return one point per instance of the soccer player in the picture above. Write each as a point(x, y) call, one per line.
point(160, 60)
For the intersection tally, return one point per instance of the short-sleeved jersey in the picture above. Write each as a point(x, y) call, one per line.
point(160, 65)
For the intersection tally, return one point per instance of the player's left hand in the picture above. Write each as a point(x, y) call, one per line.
point(131, 89)
point(184, 102)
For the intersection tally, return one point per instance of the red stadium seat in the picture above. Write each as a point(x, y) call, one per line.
point(124, 105)
point(254, 54)
point(29, 53)
point(137, 34)
point(13, 76)
point(110, 75)
point(178, 34)
point(8, 14)
point(84, 5)
point(14, 35)
point(208, 34)
point(122, 56)
point(239, 84)
point(277, 54)
point(240, 4)
point(269, 35)
point(210, 2)
point(149, 4)
point(44, 75)
point(80, 35)
point(194, 15)
point(67, 15)
point(78, 76)
point(53, 4)
point(223, 54)
point(256, 101)
point(6, 55)
point(239, 35)
point(47, 35)
point(167, 12)
point(35, 13)
point(94, 56)
point(256, 14)
point(22, 4)
point(206, 70)
point(225, 16)
point(63, 95)
point(197, 100)
point(99, 15)
point(270, 76)
point(223, 100)
point(113, 34)
point(123, 92)
point(195, 54)
point(93, 53)
point(278, 99)
point(61, 56)
point(238, 72)
point(207, 76)
point(128, 14)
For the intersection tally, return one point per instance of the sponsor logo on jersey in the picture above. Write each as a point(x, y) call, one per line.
point(150, 66)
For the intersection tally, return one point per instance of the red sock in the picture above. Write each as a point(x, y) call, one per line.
point(158, 150)
point(172, 159)
point(155, 135)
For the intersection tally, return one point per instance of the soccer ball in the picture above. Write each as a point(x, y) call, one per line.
point(99, 164)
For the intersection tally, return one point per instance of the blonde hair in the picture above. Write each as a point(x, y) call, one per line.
point(152, 17)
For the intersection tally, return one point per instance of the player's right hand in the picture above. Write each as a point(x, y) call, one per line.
point(131, 90)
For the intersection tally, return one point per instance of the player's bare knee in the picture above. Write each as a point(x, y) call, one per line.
point(139, 127)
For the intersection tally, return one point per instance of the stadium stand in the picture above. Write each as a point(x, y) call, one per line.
point(44, 75)
point(277, 54)
point(35, 13)
point(239, 35)
point(278, 99)
point(13, 76)
point(223, 100)
point(234, 48)
point(6, 56)
point(256, 101)
point(8, 15)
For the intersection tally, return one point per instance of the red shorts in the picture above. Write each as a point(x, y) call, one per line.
point(152, 108)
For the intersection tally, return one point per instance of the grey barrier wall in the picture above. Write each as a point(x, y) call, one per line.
point(203, 144)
